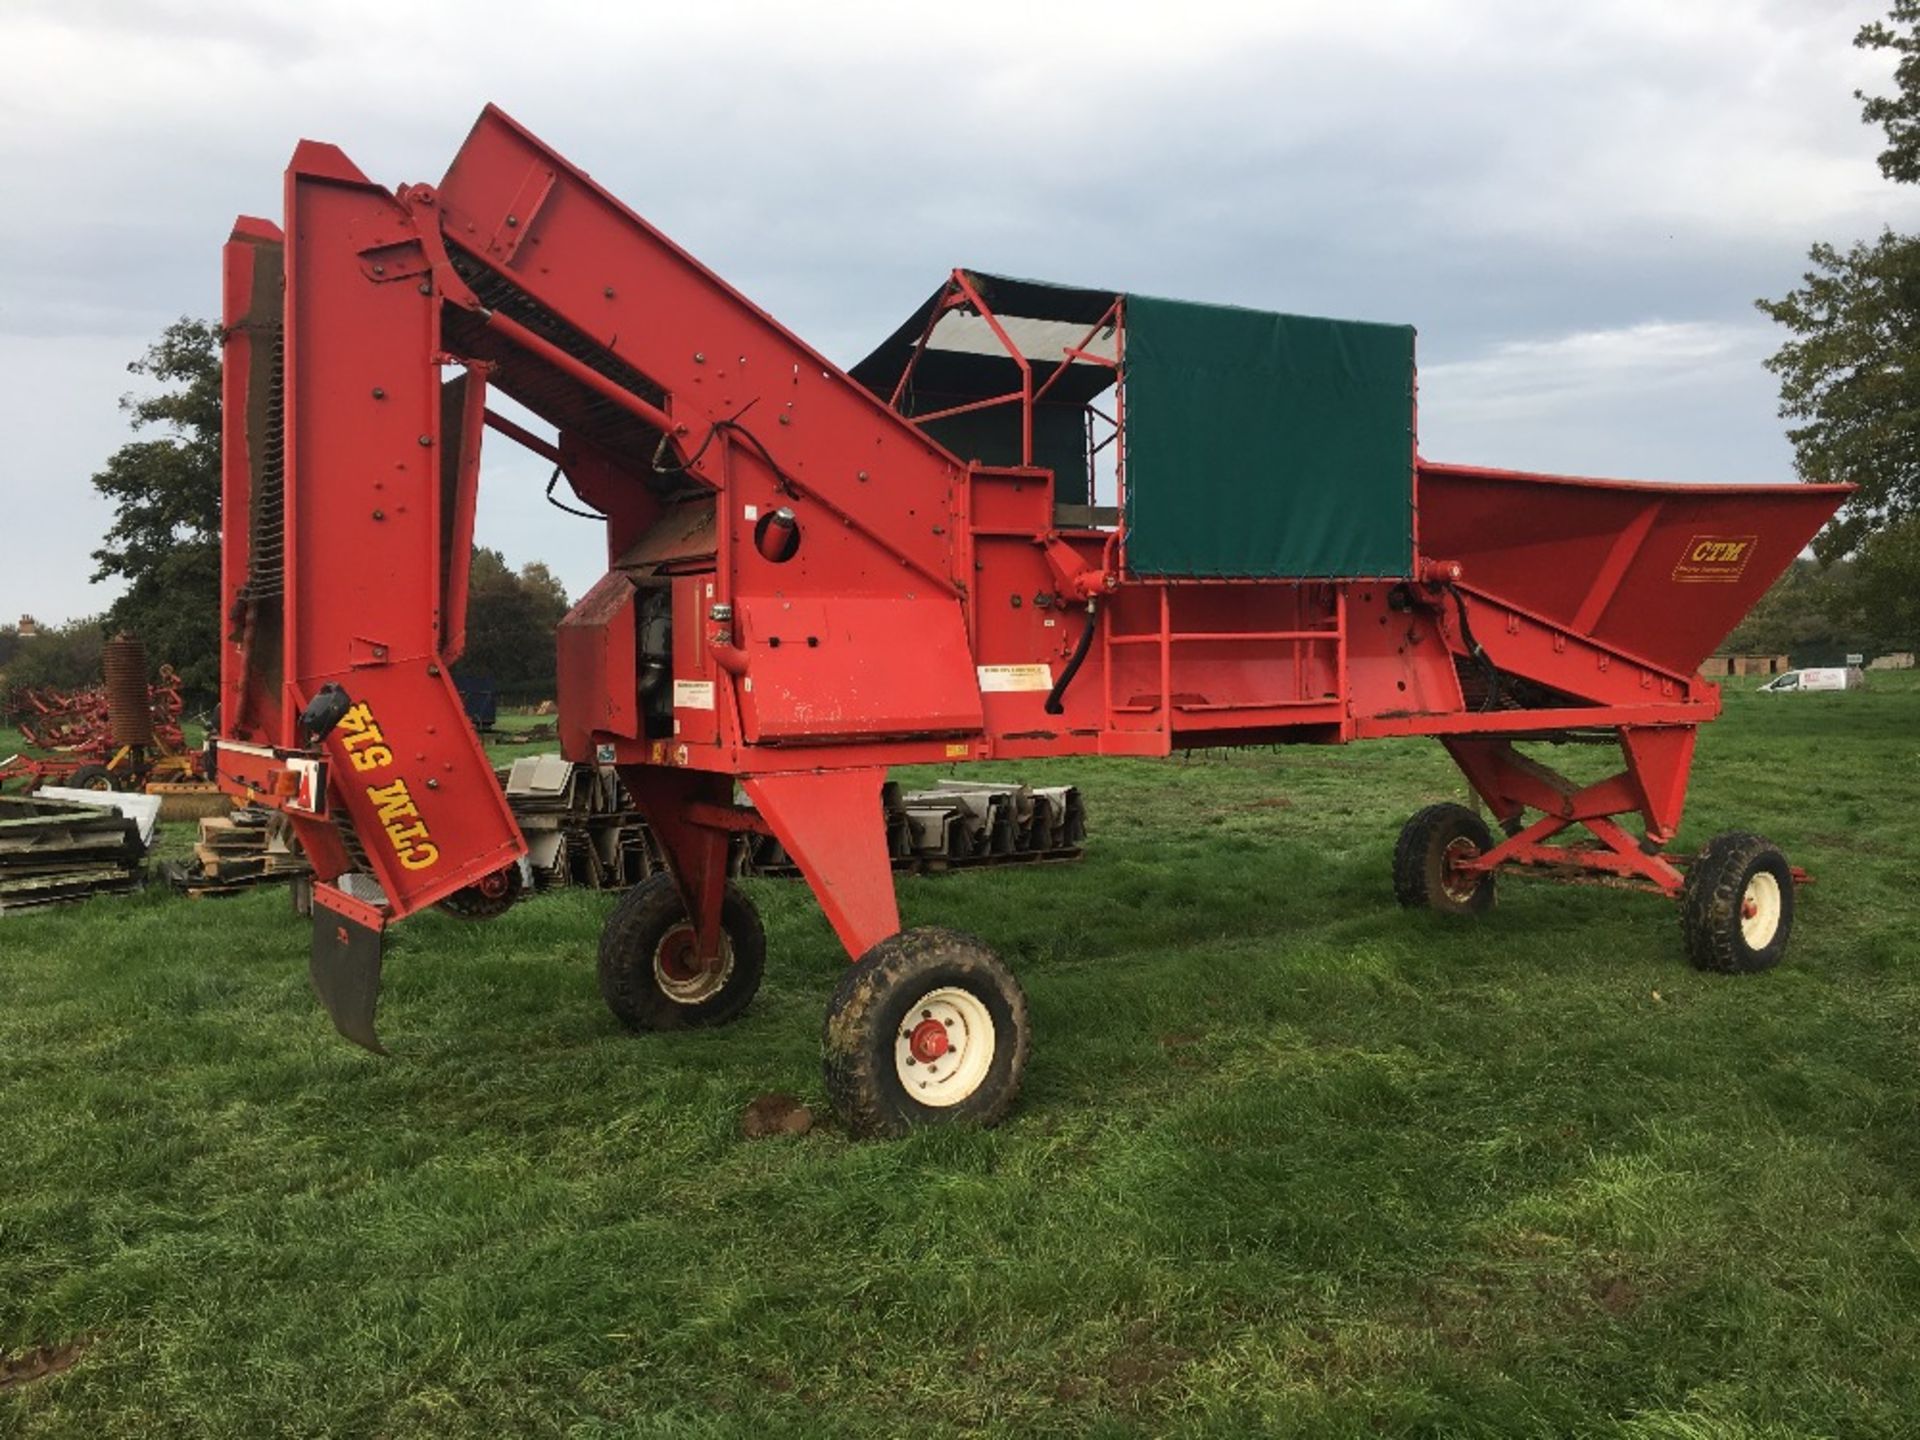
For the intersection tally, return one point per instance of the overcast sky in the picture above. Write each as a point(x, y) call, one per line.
point(1575, 203)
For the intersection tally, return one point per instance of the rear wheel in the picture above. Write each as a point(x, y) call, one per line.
point(929, 1027)
point(1426, 862)
point(92, 777)
point(651, 973)
point(1736, 909)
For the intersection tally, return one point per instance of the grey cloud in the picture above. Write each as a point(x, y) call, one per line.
point(1511, 177)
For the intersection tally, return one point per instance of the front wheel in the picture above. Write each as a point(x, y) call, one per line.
point(651, 972)
point(1736, 909)
point(929, 1027)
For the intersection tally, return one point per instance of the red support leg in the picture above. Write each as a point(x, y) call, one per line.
point(831, 824)
point(1654, 784)
point(1659, 758)
point(696, 854)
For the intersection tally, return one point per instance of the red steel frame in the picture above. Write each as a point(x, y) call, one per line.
point(930, 607)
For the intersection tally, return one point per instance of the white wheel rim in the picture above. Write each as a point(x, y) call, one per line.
point(1760, 910)
point(679, 979)
point(944, 1046)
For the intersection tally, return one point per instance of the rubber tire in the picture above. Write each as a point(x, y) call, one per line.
point(1419, 860)
point(633, 932)
point(1710, 904)
point(866, 1012)
point(92, 777)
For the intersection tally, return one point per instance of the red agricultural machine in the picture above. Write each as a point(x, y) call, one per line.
point(816, 574)
point(115, 736)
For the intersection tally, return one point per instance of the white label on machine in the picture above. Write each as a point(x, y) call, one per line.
point(753, 512)
point(1000, 678)
point(693, 694)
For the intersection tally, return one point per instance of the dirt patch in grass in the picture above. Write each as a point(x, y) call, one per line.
point(1615, 1294)
point(775, 1114)
point(39, 1362)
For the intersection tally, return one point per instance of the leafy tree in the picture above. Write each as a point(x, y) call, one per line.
point(1898, 115)
point(165, 537)
point(66, 657)
point(1811, 613)
point(1850, 374)
point(510, 620)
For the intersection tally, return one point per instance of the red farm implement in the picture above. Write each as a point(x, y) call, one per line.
point(114, 736)
point(1037, 520)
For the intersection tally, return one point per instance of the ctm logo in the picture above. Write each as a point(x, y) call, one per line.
point(1715, 557)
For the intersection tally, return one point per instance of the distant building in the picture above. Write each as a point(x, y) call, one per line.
point(1718, 666)
point(1898, 660)
point(28, 627)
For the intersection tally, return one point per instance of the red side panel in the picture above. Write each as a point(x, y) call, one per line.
point(1660, 572)
point(363, 541)
point(845, 668)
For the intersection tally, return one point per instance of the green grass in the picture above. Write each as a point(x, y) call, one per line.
point(1290, 1160)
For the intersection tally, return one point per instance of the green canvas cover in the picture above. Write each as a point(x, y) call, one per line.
point(1265, 445)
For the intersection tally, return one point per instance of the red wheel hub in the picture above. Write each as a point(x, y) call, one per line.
point(679, 957)
point(1749, 909)
point(929, 1041)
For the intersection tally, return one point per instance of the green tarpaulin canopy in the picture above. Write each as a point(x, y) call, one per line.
point(1258, 445)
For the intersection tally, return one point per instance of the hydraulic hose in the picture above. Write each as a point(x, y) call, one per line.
point(1056, 698)
point(1479, 656)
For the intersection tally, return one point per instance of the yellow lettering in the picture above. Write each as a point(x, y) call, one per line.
point(1703, 550)
point(394, 802)
point(419, 857)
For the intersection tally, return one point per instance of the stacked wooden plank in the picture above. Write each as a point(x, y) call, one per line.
point(239, 849)
point(55, 850)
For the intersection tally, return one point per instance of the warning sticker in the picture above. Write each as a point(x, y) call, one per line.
point(1001, 678)
point(693, 694)
point(1720, 558)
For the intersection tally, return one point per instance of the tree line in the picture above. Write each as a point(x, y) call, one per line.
point(164, 544)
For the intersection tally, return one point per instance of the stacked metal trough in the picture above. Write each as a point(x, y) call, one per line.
point(582, 828)
point(53, 850)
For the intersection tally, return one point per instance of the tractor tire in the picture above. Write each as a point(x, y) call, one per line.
point(93, 777)
point(1423, 877)
point(1736, 909)
point(647, 974)
point(929, 1027)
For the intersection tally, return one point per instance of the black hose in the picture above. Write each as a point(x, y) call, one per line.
point(1485, 661)
point(1056, 698)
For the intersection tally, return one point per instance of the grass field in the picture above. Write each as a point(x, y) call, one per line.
point(1290, 1161)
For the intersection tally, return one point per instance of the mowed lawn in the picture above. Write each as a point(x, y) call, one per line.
point(1290, 1161)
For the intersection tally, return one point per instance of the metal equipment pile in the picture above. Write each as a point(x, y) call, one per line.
point(57, 849)
point(582, 828)
point(113, 736)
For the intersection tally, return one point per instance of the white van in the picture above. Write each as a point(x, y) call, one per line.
point(1836, 677)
